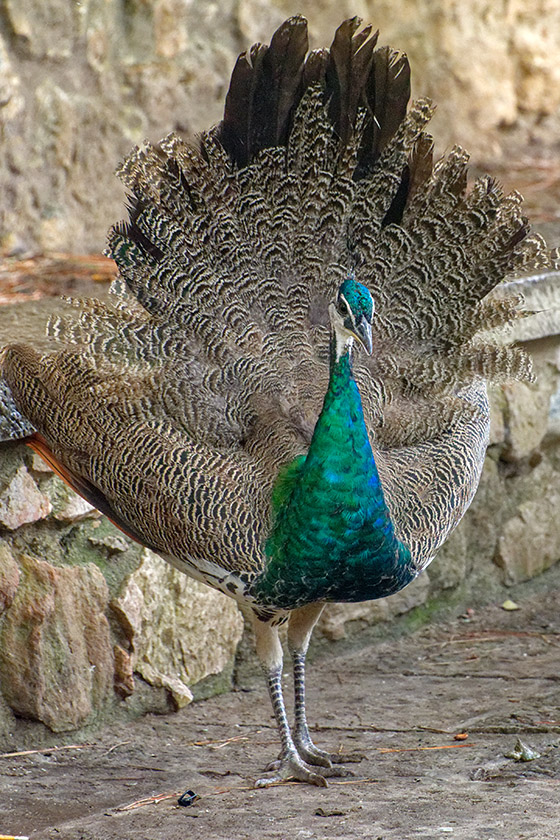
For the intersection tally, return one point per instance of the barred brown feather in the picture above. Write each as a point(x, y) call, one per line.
point(182, 398)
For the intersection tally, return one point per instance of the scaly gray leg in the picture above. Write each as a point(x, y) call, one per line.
point(302, 622)
point(289, 765)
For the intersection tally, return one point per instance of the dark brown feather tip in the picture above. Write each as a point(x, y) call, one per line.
point(268, 83)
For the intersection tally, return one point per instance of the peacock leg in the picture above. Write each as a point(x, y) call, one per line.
point(302, 622)
point(289, 765)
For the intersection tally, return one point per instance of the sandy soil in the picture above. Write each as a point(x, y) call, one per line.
point(402, 701)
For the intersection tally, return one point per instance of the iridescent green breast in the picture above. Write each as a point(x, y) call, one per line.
point(332, 537)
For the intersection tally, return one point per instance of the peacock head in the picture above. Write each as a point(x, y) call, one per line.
point(351, 315)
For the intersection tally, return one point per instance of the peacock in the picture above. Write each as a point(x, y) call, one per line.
point(285, 396)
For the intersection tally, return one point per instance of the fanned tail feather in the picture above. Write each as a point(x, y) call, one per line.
point(235, 246)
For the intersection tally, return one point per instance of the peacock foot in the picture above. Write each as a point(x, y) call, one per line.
point(290, 766)
point(295, 765)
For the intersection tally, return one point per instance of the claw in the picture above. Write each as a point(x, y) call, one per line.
point(273, 765)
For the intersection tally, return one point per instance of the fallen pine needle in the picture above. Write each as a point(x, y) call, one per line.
point(218, 745)
point(433, 729)
point(149, 800)
point(497, 635)
point(63, 747)
point(49, 750)
point(116, 746)
point(416, 749)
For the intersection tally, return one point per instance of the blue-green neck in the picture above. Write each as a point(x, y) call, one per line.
point(332, 537)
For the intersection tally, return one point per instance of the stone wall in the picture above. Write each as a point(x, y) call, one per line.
point(80, 83)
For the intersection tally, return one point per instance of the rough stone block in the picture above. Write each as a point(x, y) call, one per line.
point(9, 577)
point(180, 630)
point(7, 721)
point(34, 21)
point(56, 657)
point(530, 541)
point(22, 501)
point(67, 506)
point(124, 671)
point(497, 401)
point(526, 415)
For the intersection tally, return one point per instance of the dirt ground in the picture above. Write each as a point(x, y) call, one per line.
point(493, 675)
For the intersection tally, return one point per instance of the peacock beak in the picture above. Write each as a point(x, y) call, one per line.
point(363, 334)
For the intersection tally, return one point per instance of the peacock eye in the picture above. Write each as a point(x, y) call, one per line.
point(343, 306)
